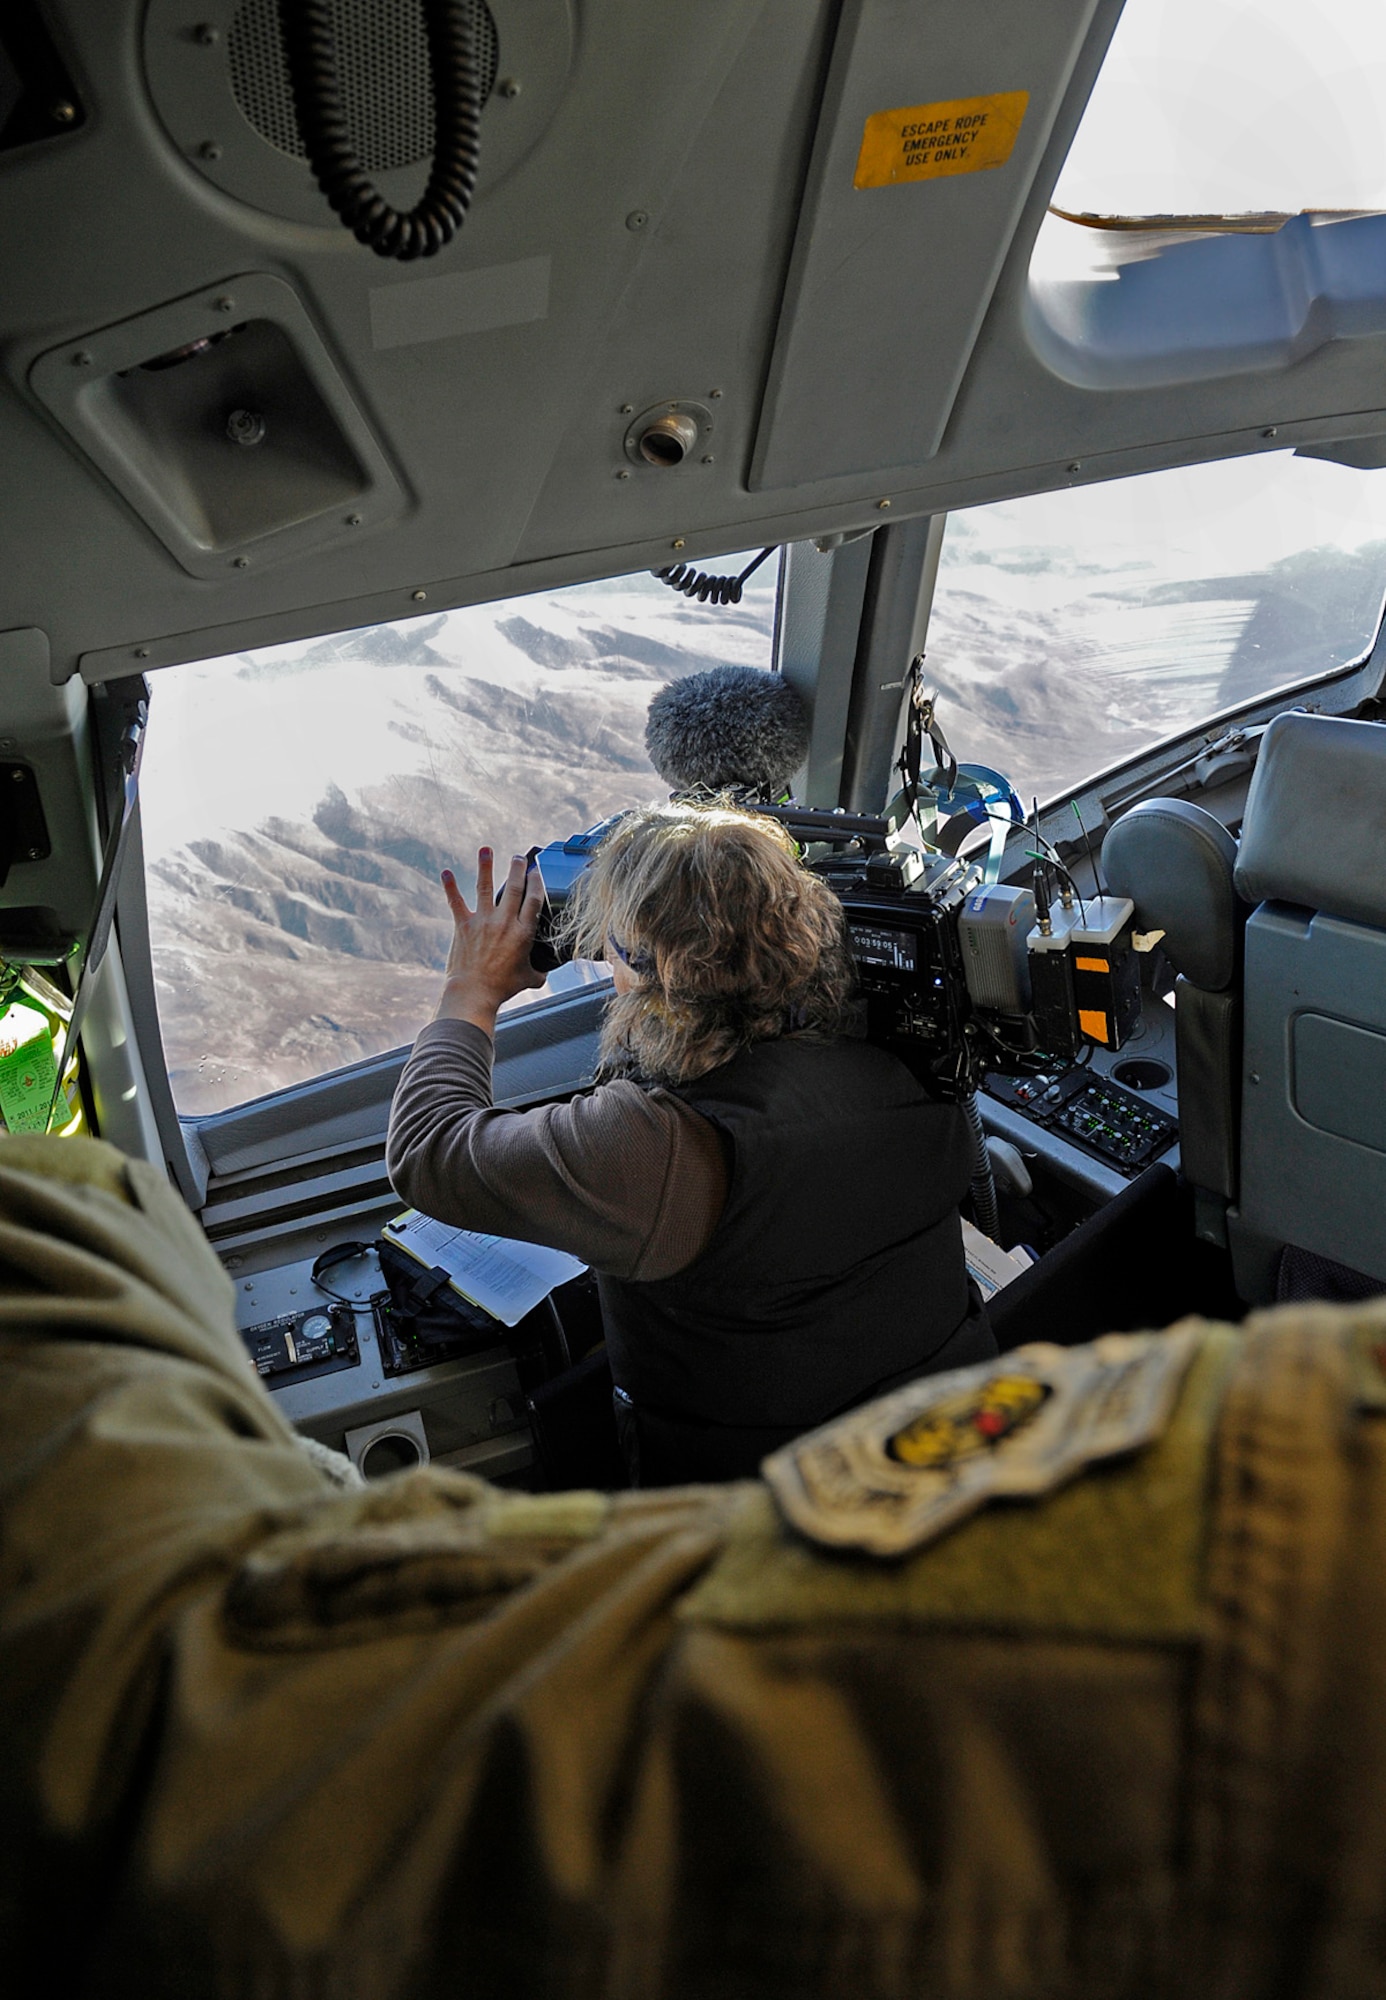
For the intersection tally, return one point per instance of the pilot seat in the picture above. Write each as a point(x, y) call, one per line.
point(1279, 944)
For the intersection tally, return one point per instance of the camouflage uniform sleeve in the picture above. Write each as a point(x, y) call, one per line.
point(430, 1737)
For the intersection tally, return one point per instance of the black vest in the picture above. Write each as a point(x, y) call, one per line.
point(836, 1269)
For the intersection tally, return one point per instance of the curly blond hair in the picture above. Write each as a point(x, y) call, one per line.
point(732, 939)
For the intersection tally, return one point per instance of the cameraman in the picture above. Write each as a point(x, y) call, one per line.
point(770, 1206)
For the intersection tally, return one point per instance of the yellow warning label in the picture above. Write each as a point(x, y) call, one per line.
point(1093, 1024)
point(922, 142)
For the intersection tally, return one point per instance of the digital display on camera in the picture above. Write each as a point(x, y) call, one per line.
point(878, 945)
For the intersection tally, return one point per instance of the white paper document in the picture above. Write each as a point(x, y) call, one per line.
point(988, 1263)
point(504, 1277)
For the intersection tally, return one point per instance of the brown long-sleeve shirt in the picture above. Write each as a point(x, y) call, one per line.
point(633, 1181)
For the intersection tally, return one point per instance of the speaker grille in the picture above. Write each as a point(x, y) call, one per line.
point(382, 55)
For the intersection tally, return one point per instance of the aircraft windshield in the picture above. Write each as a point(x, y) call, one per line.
point(299, 802)
point(1075, 629)
point(1225, 106)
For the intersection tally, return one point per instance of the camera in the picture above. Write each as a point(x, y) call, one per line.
point(960, 977)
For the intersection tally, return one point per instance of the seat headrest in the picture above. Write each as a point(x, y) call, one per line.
point(1175, 862)
point(1315, 826)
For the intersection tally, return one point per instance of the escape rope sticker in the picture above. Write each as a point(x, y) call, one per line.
point(894, 1475)
point(923, 142)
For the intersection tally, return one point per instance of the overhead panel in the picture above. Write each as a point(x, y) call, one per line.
point(747, 272)
point(934, 120)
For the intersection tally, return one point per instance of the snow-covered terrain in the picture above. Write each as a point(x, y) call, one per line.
point(298, 806)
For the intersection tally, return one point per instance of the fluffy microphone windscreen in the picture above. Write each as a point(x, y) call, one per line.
point(727, 728)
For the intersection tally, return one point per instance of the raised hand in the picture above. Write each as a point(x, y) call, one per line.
point(488, 962)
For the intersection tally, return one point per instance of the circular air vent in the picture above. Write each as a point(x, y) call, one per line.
point(382, 53)
point(218, 76)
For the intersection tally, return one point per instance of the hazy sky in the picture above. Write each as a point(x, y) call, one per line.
point(1222, 518)
point(1236, 105)
point(1221, 106)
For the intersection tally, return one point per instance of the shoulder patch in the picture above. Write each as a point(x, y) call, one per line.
point(892, 1476)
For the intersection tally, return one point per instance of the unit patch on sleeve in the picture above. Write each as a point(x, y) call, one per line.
point(894, 1475)
point(923, 142)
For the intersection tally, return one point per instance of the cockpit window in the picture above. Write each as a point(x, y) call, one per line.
point(1223, 107)
point(1075, 629)
point(298, 804)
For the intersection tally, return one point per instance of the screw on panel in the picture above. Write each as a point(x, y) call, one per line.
point(627, 410)
point(209, 150)
point(1272, 432)
point(32, 853)
point(62, 113)
point(637, 218)
point(16, 777)
point(245, 427)
point(1077, 465)
point(241, 562)
point(882, 503)
point(206, 34)
point(714, 393)
point(509, 86)
point(353, 520)
point(707, 458)
point(141, 652)
point(421, 597)
point(623, 473)
point(225, 305)
point(81, 359)
point(678, 544)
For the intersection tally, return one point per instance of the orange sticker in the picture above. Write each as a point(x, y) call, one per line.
point(923, 142)
point(1091, 965)
point(1092, 1024)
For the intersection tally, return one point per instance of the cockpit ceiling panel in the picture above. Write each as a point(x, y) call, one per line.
point(919, 177)
point(810, 222)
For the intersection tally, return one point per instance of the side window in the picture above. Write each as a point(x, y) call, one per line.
point(298, 805)
point(1234, 107)
point(1074, 630)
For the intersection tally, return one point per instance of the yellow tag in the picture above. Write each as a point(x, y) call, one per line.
point(1092, 1024)
point(922, 142)
point(1091, 965)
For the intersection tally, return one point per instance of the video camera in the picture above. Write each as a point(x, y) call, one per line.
point(962, 976)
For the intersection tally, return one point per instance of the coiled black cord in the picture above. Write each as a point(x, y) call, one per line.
point(710, 589)
point(983, 1186)
point(310, 43)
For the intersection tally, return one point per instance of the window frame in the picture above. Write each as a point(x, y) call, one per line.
point(349, 1106)
point(545, 1049)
